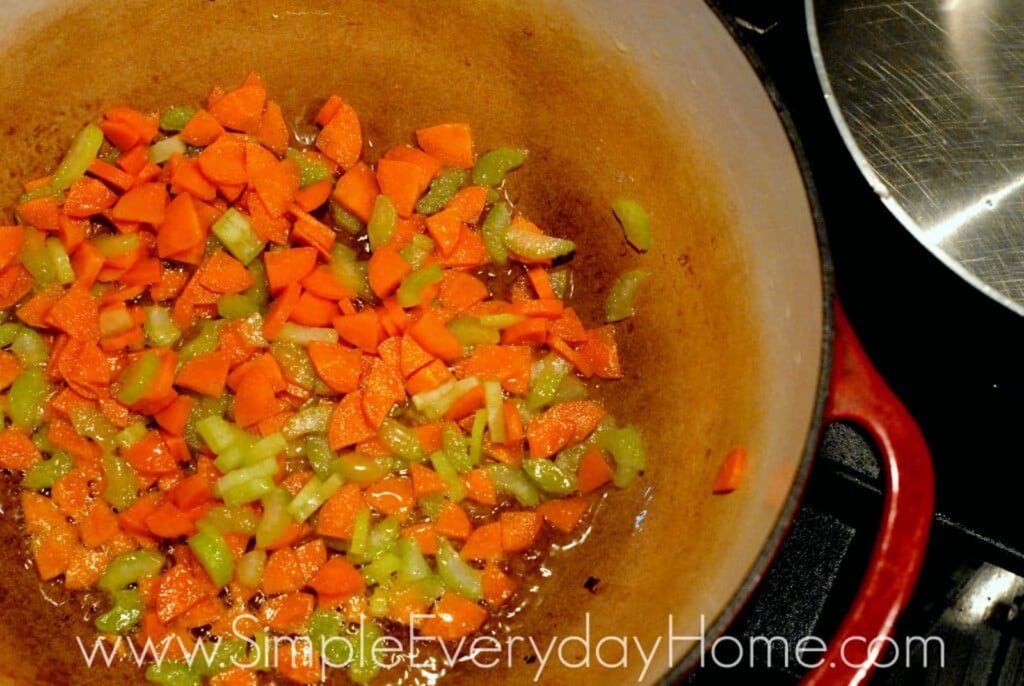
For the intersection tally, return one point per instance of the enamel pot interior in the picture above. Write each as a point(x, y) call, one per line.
point(650, 99)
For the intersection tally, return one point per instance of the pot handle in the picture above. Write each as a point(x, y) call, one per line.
point(858, 394)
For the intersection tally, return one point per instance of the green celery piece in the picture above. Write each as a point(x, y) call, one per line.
point(571, 388)
point(213, 553)
point(136, 379)
point(491, 168)
point(36, 258)
point(202, 408)
point(494, 404)
point(361, 468)
point(431, 505)
point(26, 399)
point(456, 448)
point(231, 520)
point(79, 156)
point(447, 471)
point(402, 440)
point(45, 473)
point(130, 435)
point(160, 329)
point(121, 487)
point(248, 492)
point(295, 363)
point(206, 341)
point(380, 571)
point(471, 332)
point(219, 433)
point(382, 222)
point(237, 477)
point(236, 233)
point(561, 282)
point(128, 568)
point(476, 436)
point(116, 245)
point(250, 568)
point(170, 673)
point(619, 304)
point(442, 190)
point(493, 232)
point(328, 629)
point(8, 332)
point(512, 481)
point(383, 537)
point(259, 291)
point(417, 250)
point(636, 223)
point(414, 565)
point(230, 652)
point(64, 273)
point(546, 378)
point(500, 321)
point(534, 246)
point(360, 536)
point(124, 615)
point(165, 149)
point(29, 347)
point(568, 459)
point(550, 477)
point(348, 270)
point(364, 666)
point(237, 306)
point(309, 420)
point(627, 448)
point(456, 573)
point(434, 403)
point(319, 454)
point(314, 494)
point(410, 292)
point(275, 519)
point(304, 335)
point(345, 219)
point(175, 118)
point(91, 423)
point(311, 169)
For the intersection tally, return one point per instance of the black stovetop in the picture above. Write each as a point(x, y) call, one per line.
point(953, 355)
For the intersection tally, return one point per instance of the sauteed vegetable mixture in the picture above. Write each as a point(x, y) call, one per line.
point(251, 379)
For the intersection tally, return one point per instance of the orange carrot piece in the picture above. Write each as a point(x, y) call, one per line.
point(413, 357)
point(601, 351)
point(222, 273)
point(10, 369)
point(468, 204)
point(529, 332)
point(429, 331)
point(382, 388)
point(186, 177)
point(17, 451)
point(519, 530)
point(289, 613)
point(357, 191)
point(425, 481)
point(174, 417)
point(337, 366)
point(563, 424)
point(541, 282)
point(76, 314)
point(446, 229)
point(144, 203)
point(337, 577)
point(223, 162)
point(450, 144)
point(281, 309)
point(276, 184)
point(428, 378)
point(594, 471)
point(323, 283)
point(168, 521)
point(498, 586)
point(314, 311)
point(338, 515)
point(123, 136)
point(424, 534)
point(484, 543)
point(406, 153)
point(273, 131)
point(206, 374)
point(479, 487)
point(391, 496)
point(730, 474)
point(308, 230)
point(564, 513)
point(347, 425)
point(11, 240)
point(99, 526)
point(361, 329)
point(282, 573)
point(569, 328)
point(453, 522)
point(402, 182)
point(240, 109)
point(145, 126)
point(341, 138)
point(454, 617)
point(288, 266)
point(386, 270)
point(255, 400)
point(313, 196)
point(88, 197)
point(41, 213)
point(461, 291)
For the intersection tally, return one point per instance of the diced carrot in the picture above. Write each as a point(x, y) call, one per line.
point(425, 481)
point(313, 196)
point(76, 314)
point(452, 521)
point(276, 183)
point(223, 162)
point(565, 513)
point(289, 613)
point(382, 388)
point(601, 351)
point(519, 530)
point(563, 424)
point(570, 355)
point(413, 356)
point(429, 377)
point(468, 204)
point(281, 310)
point(222, 273)
point(271, 370)
point(402, 182)
point(10, 369)
point(41, 213)
point(144, 203)
point(206, 374)
point(123, 136)
point(469, 253)
point(240, 109)
point(88, 197)
point(337, 517)
point(453, 617)
point(446, 229)
point(299, 662)
point(361, 330)
point(337, 366)
point(406, 153)
point(149, 455)
point(273, 131)
point(33, 311)
point(498, 586)
point(338, 578)
point(391, 496)
point(282, 573)
point(347, 425)
point(312, 232)
point(17, 451)
point(186, 177)
point(177, 592)
point(144, 125)
point(386, 270)
point(99, 526)
point(484, 543)
point(424, 534)
point(168, 521)
point(730, 474)
point(430, 436)
point(450, 144)
point(314, 311)
point(594, 471)
point(174, 417)
point(288, 266)
point(11, 240)
point(429, 331)
point(529, 332)
point(357, 191)
point(341, 138)
point(255, 399)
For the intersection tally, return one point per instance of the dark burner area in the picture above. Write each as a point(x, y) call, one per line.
point(954, 356)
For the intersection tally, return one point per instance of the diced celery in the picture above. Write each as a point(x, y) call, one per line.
point(124, 615)
point(308, 420)
point(26, 400)
point(476, 436)
point(249, 491)
point(471, 332)
point(568, 460)
point(434, 403)
point(410, 292)
point(128, 568)
point(446, 470)
point(417, 250)
point(91, 423)
point(138, 377)
point(414, 565)
point(571, 388)
point(163, 150)
point(266, 468)
point(237, 305)
point(491, 168)
point(160, 329)
point(266, 448)
point(29, 347)
point(115, 321)
point(636, 223)
point(402, 440)
point(364, 665)
point(113, 246)
point(311, 169)
point(500, 321)
point(550, 477)
point(360, 536)
point(229, 519)
point(512, 481)
point(547, 376)
point(381, 569)
point(236, 233)
point(45, 473)
point(213, 553)
point(345, 219)
point(456, 573)
point(230, 652)
point(494, 404)
point(219, 433)
point(327, 630)
point(275, 519)
point(36, 258)
point(456, 448)
point(295, 363)
point(350, 271)
point(206, 341)
point(627, 448)
point(442, 190)
point(383, 537)
point(233, 457)
point(382, 222)
point(172, 673)
point(121, 487)
point(314, 494)
point(493, 232)
point(361, 468)
point(561, 282)
point(8, 332)
point(175, 118)
point(304, 335)
point(319, 455)
point(250, 568)
point(79, 156)
point(533, 246)
point(63, 272)
point(619, 304)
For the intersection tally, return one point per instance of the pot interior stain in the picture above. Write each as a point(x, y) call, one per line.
point(520, 74)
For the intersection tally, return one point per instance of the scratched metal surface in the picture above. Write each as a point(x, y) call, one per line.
point(929, 95)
